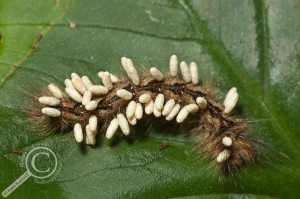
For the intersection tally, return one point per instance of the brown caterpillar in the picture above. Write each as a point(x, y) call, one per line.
point(121, 102)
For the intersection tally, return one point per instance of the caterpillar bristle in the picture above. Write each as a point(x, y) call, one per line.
point(120, 102)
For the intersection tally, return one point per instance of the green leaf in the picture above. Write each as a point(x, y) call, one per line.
point(253, 45)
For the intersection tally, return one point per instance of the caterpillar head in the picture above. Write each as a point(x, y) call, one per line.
point(242, 148)
point(226, 143)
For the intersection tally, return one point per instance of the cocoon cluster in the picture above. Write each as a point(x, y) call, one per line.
point(133, 105)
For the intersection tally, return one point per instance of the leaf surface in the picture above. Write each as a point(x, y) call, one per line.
point(253, 45)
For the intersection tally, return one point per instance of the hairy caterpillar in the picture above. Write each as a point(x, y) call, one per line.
point(120, 103)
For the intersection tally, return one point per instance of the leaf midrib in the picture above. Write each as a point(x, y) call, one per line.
point(263, 43)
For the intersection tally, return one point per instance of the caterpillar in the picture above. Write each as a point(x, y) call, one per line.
point(121, 102)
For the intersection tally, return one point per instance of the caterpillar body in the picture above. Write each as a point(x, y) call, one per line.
point(120, 103)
